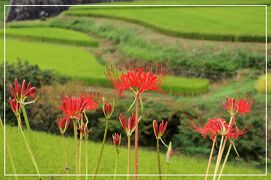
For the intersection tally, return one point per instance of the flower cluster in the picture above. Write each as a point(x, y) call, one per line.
point(73, 108)
point(19, 95)
point(238, 106)
point(137, 79)
point(228, 131)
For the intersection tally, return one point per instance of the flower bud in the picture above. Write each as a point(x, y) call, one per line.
point(159, 131)
point(116, 139)
point(169, 153)
point(108, 108)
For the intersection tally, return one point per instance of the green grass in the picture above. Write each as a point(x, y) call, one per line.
point(79, 64)
point(49, 154)
point(51, 35)
point(66, 60)
point(214, 23)
point(196, 2)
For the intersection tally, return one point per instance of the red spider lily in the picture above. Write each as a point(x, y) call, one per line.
point(129, 126)
point(241, 106)
point(235, 133)
point(90, 103)
point(116, 139)
point(63, 124)
point(73, 107)
point(108, 109)
point(213, 127)
point(22, 91)
point(15, 106)
point(137, 79)
point(159, 132)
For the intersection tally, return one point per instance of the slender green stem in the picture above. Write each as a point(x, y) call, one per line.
point(136, 140)
point(9, 153)
point(86, 158)
point(80, 149)
point(128, 157)
point(218, 157)
point(116, 164)
point(76, 146)
point(158, 158)
point(102, 149)
point(210, 158)
point(167, 170)
point(25, 117)
point(225, 161)
point(65, 153)
point(28, 147)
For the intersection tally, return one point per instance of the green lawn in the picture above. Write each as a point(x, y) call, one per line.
point(52, 35)
point(49, 152)
point(215, 23)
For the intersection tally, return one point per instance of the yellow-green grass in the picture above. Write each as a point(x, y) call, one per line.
point(261, 84)
point(56, 35)
point(213, 23)
point(66, 60)
point(79, 64)
point(196, 2)
point(48, 150)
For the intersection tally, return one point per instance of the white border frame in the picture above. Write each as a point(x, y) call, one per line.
point(170, 175)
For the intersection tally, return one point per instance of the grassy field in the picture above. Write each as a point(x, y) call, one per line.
point(53, 35)
point(50, 157)
point(79, 64)
point(215, 23)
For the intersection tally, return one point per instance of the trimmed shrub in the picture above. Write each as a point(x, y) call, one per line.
point(261, 84)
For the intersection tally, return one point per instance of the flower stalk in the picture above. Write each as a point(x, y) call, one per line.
point(102, 148)
point(76, 146)
point(225, 161)
point(210, 158)
point(158, 158)
point(116, 164)
point(65, 153)
point(219, 156)
point(136, 138)
point(28, 147)
point(128, 156)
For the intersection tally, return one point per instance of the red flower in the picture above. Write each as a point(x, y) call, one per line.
point(22, 91)
point(116, 139)
point(63, 124)
point(130, 126)
point(72, 107)
point(235, 133)
point(15, 106)
point(213, 127)
point(159, 132)
point(108, 109)
point(137, 79)
point(90, 103)
point(241, 106)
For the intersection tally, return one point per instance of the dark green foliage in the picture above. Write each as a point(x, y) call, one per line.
point(32, 73)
